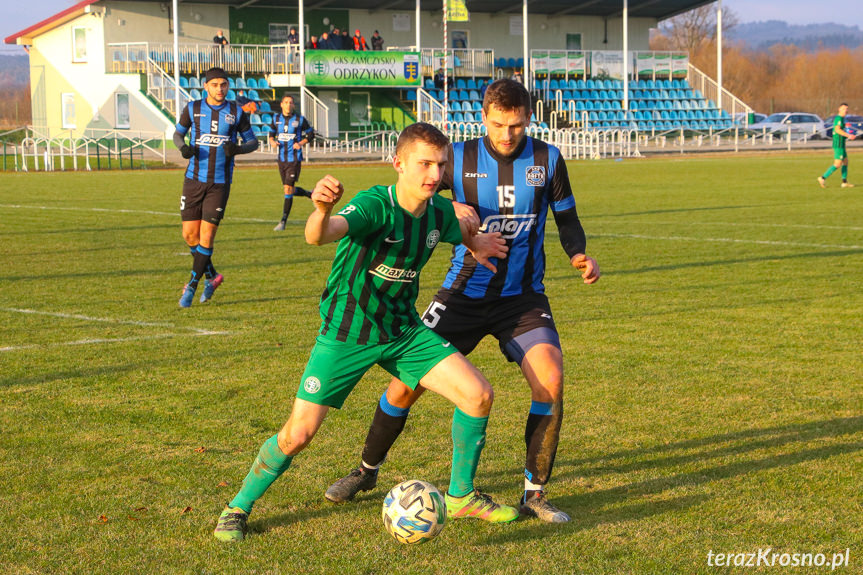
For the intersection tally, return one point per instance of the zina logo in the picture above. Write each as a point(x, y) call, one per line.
point(509, 226)
point(212, 140)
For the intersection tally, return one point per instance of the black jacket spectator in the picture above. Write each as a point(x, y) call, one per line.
point(377, 41)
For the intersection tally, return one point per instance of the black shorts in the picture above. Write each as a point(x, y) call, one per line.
point(518, 322)
point(203, 201)
point(290, 172)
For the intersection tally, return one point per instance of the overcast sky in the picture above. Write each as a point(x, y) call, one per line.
point(19, 14)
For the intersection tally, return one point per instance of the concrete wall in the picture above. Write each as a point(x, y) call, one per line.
point(147, 22)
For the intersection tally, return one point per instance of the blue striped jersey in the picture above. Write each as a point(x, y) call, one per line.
point(512, 195)
point(287, 130)
point(209, 128)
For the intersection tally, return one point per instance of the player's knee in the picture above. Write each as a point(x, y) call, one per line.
point(399, 395)
point(480, 397)
point(294, 437)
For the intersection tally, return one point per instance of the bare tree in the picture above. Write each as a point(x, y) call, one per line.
point(690, 31)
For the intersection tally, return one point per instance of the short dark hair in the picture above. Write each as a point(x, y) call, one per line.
point(507, 94)
point(843, 104)
point(420, 132)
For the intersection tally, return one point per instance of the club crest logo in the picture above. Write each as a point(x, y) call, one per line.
point(536, 176)
point(432, 239)
point(411, 67)
point(312, 384)
point(230, 118)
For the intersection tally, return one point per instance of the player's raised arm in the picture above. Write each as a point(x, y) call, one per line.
point(321, 227)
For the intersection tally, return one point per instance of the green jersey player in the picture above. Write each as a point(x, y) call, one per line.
point(840, 156)
point(385, 235)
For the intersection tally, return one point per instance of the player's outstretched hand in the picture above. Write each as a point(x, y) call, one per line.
point(587, 266)
point(467, 217)
point(187, 152)
point(487, 246)
point(231, 148)
point(328, 191)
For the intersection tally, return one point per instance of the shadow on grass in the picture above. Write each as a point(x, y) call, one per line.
point(655, 496)
point(680, 210)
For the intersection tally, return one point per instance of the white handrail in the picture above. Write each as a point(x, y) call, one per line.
point(710, 90)
point(317, 113)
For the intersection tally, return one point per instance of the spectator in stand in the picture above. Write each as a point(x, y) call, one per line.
point(293, 37)
point(377, 41)
point(347, 43)
point(359, 42)
point(439, 78)
point(220, 39)
point(325, 43)
point(312, 44)
point(336, 39)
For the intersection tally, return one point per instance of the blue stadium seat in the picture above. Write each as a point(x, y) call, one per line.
point(615, 105)
point(460, 84)
point(257, 131)
point(477, 106)
point(469, 117)
point(588, 105)
point(184, 82)
point(240, 83)
point(263, 84)
point(474, 95)
point(428, 84)
point(472, 85)
point(458, 117)
point(231, 95)
point(592, 116)
point(581, 84)
point(579, 106)
point(553, 85)
point(253, 95)
point(265, 107)
point(411, 96)
point(510, 62)
point(252, 84)
point(567, 95)
point(255, 119)
point(455, 106)
point(267, 119)
point(195, 94)
point(232, 84)
point(463, 95)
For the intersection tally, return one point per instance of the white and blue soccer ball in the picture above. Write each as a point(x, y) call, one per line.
point(414, 512)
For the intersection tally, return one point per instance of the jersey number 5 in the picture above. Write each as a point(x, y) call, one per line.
point(431, 316)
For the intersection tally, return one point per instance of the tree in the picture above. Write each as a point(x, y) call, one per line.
point(692, 30)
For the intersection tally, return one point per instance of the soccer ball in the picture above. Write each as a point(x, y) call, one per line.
point(414, 512)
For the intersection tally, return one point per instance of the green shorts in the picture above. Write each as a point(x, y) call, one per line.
point(335, 367)
point(839, 153)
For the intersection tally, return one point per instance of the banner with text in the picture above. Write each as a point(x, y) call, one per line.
point(339, 68)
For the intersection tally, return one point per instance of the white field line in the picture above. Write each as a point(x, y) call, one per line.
point(190, 331)
point(731, 224)
point(112, 211)
point(730, 241)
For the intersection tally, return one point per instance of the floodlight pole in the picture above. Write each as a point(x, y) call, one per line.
point(176, 15)
point(302, 8)
point(417, 26)
point(719, 54)
point(626, 59)
point(526, 55)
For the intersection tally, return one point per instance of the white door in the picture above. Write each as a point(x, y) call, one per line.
point(331, 99)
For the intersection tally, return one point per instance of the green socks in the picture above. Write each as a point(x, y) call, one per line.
point(468, 439)
point(270, 463)
point(844, 173)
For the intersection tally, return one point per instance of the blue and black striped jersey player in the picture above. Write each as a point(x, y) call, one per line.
point(510, 180)
point(290, 131)
point(213, 125)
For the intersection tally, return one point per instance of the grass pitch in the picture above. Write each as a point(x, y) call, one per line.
point(713, 398)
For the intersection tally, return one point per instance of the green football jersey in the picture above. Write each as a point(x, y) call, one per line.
point(372, 288)
point(838, 139)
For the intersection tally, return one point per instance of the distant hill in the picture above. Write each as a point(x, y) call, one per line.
point(760, 35)
point(14, 71)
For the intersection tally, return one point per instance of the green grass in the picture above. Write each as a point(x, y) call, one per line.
point(713, 381)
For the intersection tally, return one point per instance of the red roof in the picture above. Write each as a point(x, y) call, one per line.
point(46, 24)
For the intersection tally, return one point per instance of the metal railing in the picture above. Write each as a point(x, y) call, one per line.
point(464, 62)
point(724, 100)
point(316, 112)
point(162, 88)
point(44, 149)
point(429, 109)
point(196, 59)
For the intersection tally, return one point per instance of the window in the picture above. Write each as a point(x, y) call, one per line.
point(460, 39)
point(79, 44)
point(279, 32)
point(360, 108)
point(122, 114)
point(573, 41)
point(67, 110)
